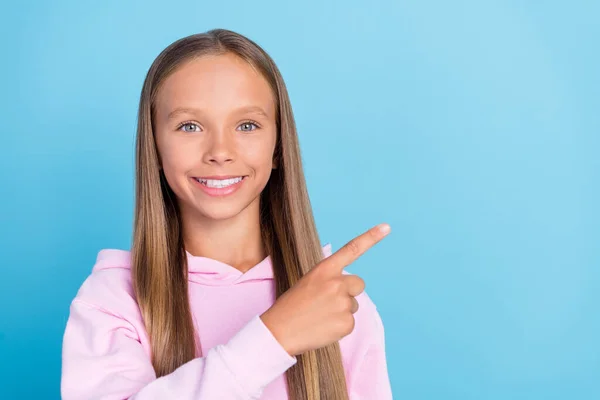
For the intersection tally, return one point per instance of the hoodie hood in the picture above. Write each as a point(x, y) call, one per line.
point(202, 270)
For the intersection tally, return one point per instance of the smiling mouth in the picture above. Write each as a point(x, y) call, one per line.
point(220, 183)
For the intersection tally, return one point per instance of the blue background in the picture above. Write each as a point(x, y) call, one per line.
point(472, 127)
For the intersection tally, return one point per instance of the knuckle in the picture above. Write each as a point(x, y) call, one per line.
point(353, 247)
point(344, 304)
point(348, 324)
point(356, 283)
point(344, 324)
point(335, 286)
point(374, 234)
point(360, 283)
point(356, 306)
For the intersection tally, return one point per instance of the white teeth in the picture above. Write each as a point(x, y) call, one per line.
point(214, 183)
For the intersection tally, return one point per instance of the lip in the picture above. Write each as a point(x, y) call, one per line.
point(219, 192)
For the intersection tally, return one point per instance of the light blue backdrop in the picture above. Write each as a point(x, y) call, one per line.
point(472, 127)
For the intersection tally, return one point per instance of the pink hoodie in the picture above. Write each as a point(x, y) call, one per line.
point(106, 349)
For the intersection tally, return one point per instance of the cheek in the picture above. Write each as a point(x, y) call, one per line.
point(259, 157)
point(176, 160)
point(259, 151)
point(174, 154)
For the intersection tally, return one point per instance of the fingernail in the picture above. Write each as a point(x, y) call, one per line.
point(384, 228)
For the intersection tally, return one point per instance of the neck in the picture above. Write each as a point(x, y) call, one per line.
point(236, 241)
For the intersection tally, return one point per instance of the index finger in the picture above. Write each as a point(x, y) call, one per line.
point(355, 248)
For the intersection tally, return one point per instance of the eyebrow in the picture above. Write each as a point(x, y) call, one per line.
point(188, 110)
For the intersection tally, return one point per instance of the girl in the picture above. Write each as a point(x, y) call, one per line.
point(226, 293)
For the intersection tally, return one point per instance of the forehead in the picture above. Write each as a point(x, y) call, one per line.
point(217, 83)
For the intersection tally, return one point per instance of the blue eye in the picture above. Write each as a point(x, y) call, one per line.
point(249, 123)
point(192, 127)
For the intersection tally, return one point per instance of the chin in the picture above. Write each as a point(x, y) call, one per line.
point(219, 213)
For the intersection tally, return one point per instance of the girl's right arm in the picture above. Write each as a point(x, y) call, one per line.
point(103, 359)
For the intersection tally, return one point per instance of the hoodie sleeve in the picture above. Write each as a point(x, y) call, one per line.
point(370, 378)
point(103, 359)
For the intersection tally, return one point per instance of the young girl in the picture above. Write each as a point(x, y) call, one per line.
point(227, 292)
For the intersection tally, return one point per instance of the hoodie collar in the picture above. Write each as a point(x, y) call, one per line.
point(202, 270)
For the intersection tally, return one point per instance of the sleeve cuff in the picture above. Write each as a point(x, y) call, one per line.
point(255, 357)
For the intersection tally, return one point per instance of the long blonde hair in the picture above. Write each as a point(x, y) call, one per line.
point(159, 263)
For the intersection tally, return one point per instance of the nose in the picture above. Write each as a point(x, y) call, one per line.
point(219, 148)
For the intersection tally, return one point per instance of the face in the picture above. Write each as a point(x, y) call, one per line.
point(214, 125)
